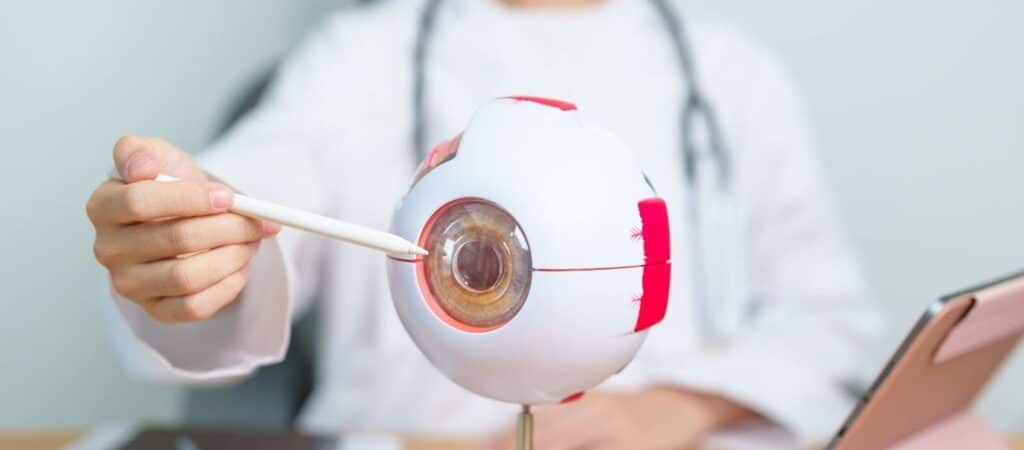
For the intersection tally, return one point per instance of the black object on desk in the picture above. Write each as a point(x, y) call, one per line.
point(222, 439)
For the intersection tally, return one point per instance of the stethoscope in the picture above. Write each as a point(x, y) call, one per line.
point(714, 252)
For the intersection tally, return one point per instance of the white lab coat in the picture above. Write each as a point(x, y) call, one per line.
point(334, 134)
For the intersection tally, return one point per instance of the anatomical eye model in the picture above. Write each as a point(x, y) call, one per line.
point(549, 254)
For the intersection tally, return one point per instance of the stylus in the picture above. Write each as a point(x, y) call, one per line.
point(304, 220)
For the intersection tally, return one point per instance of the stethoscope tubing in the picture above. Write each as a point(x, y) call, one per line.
point(697, 115)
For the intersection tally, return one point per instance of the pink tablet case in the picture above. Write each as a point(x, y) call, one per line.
point(963, 430)
point(998, 312)
point(925, 401)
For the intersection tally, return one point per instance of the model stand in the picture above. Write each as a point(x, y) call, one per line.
point(524, 429)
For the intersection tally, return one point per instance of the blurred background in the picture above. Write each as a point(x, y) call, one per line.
point(917, 106)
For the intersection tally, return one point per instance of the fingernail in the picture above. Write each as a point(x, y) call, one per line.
point(137, 162)
point(270, 228)
point(220, 198)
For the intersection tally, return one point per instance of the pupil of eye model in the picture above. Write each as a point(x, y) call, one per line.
point(478, 265)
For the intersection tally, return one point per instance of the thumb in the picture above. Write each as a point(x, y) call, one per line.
point(142, 158)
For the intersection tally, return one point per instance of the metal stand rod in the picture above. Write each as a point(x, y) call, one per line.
point(524, 429)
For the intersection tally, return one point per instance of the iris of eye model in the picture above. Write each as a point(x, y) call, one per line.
point(479, 268)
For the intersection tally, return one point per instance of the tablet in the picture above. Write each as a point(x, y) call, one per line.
point(923, 397)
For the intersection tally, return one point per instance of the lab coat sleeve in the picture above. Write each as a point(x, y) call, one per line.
point(272, 154)
point(806, 337)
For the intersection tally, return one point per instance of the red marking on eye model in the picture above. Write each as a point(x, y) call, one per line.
point(560, 104)
point(405, 260)
point(572, 398)
point(658, 269)
point(441, 153)
point(654, 218)
point(654, 302)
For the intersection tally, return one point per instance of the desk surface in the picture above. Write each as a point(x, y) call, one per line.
point(55, 440)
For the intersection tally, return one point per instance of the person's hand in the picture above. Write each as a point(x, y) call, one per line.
point(652, 419)
point(171, 247)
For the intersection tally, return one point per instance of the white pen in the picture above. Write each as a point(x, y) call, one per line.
point(304, 220)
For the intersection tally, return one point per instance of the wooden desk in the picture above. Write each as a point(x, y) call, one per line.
point(55, 440)
point(36, 440)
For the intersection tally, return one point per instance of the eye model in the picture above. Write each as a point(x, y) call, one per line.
point(548, 254)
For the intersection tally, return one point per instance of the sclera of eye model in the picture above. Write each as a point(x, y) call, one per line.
point(481, 306)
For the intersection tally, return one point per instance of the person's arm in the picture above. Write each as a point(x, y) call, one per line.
point(659, 417)
point(271, 154)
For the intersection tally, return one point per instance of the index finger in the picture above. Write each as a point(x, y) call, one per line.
point(149, 200)
point(139, 158)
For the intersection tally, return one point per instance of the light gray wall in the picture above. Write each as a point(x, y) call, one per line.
point(73, 77)
point(917, 104)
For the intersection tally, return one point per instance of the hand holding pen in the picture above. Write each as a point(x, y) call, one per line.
point(167, 243)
